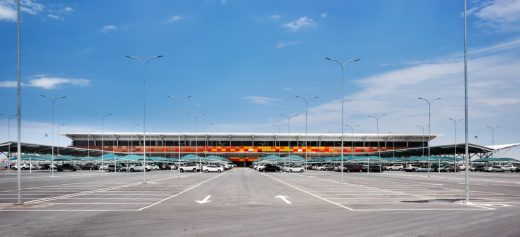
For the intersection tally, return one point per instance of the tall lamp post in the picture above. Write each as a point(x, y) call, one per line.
point(342, 66)
point(288, 117)
point(378, 146)
point(429, 125)
point(466, 125)
point(196, 117)
point(351, 149)
point(144, 63)
point(455, 145)
point(53, 102)
point(178, 101)
point(492, 138)
point(103, 140)
point(306, 101)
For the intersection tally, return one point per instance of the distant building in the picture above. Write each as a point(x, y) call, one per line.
point(247, 147)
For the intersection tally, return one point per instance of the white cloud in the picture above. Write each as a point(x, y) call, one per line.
point(324, 15)
point(286, 44)
point(8, 84)
point(55, 17)
point(68, 9)
point(260, 100)
point(302, 22)
point(498, 15)
point(7, 13)
point(274, 17)
point(48, 82)
point(174, 19)
point(108, 28)
point(493, 98)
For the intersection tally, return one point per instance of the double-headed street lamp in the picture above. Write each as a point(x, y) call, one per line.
point(288, 117)
point(196, 117)
point(306, 101)
point(429, 125)
point(53, 102)
point(342, 66)
point(144, 63)
point(376, 117)
point(178, 101)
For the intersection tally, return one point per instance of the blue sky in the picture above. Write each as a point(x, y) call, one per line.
point(244, 61)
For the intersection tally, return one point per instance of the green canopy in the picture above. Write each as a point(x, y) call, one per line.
point(496, 160)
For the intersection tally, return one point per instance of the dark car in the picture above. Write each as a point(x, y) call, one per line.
point(111, 168)
point(270, 168)
point(354, 168)
point(89, 166)
point(68, 167)
point(373, 168)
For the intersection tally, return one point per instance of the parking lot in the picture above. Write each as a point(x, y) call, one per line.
point(245, 202)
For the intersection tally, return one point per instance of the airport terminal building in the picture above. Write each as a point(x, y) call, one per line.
point(247, 147)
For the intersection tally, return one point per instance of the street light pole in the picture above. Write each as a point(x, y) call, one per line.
point(18, 107)
point(196, 117)
point(144, 63)
point(429, 125)
point(53, 101)
point(455, 145)
point(103, 140)
point(288, 135)
point(351, 149)
point(378, 147)
point(178, 101)
point(342, 66)
point(466, 125)
point(306, 125)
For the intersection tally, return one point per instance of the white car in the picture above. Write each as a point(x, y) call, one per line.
point(154, 167)
point(497, 168)
point(139, 167)
point(189, 167)
point(296, 168)
point(212, 168)
point(395, 167)
point(510, 168)
point(488, 169)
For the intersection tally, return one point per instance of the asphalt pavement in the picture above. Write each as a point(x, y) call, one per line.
point(244, 202)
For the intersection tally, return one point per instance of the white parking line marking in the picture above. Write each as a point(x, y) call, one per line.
point(205, 200)
point(284, 198)
point(177, 194)
point(324, 199)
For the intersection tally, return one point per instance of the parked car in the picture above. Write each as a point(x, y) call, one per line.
point(354, 168)
point(68, 167)
point(89, 166)
point(154, 167)
point(270, 168)
point(139, 167)
point(117, 168)
point(212, 168)
point(510, 168)
point(411, 168)
point(326, 168)
point(424, 169)
point(189, 167)
point(373, 168)
point(488, 169)
point(395, 167)
point(497, 168)
point(296, 168)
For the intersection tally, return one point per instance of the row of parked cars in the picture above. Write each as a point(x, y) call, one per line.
point(196, 167)
point(278, 168)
